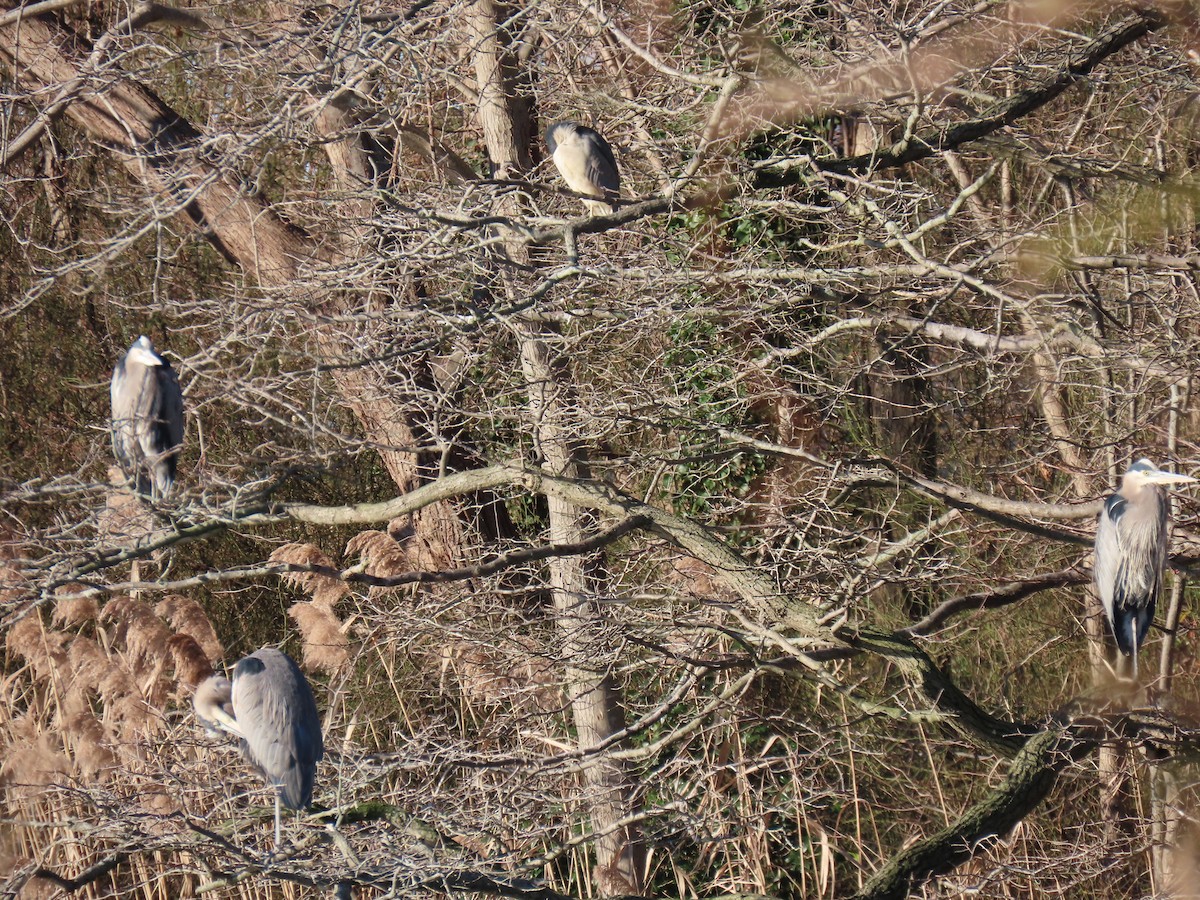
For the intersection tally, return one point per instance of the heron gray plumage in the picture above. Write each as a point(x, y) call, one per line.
point(270, 707)
point(147, 419)
point(586, 163)
point(1131, 552)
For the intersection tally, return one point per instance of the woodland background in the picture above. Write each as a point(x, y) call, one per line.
point(735, 543)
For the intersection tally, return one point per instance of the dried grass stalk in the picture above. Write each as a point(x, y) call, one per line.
point(108, 674)
point(325, 648)
point(116, 615)
point(145, 638)
point(24, 636)
point(491, 677)
point(143, 634)
point(187, 616)
point(157, 802)
point(324, 589)
point(118, 683)
point(33, 758)
point(85, 737)
point(131, 717)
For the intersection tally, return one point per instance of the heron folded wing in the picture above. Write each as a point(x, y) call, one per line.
point(281, 730)
point(601, 165)
point(166, 428)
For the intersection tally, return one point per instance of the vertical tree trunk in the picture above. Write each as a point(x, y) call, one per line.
point(387, 421)
point(505, 118)
point(595, 697)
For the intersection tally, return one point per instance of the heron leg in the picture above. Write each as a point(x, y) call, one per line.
point(278, 830)
point(1133, 631)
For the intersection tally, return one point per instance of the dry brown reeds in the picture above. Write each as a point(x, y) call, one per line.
point(105, 672)
point(85, 738)
point(325, 648)
point(45, 652)
point(325, 645)
point(380, 555)
point(519, 677)
point(144, 637)
point(186, 616)
point(33, 757)
point(324, 589)
point(191, 661)
point(87, 723)
point(73, 608)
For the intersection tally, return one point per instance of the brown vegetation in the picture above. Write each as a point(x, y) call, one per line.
point(733, 543)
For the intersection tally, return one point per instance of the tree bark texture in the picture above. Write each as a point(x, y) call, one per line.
point(505, 118)
point(159, 148)
point(1031, 777)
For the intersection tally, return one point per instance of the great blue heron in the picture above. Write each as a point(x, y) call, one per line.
point(270, 706)
point(1131, 552)
point(147, 418)
point(586, 163)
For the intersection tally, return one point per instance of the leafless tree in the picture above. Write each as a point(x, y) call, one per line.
point(733, 542)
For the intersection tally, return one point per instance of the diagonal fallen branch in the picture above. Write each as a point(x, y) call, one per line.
point(1077, 63)
point(766, 611)
point(1030, 779)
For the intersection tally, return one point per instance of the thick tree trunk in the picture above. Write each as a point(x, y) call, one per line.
point(595, 696)
point(159, 148)
point(504, 116)
point(386, 418)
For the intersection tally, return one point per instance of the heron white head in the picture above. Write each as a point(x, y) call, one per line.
point(142, 351)
point(1144, 472)
point(213, 703)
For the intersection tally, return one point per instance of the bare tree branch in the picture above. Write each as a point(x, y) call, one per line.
point(1031, 777)
point(1077, 63)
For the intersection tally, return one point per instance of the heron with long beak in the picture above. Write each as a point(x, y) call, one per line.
point(1131, 552)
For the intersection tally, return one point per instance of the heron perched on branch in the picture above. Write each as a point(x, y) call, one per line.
point(586, 163)
point(1131, 552)
point(147, 419)
point(270, 707)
